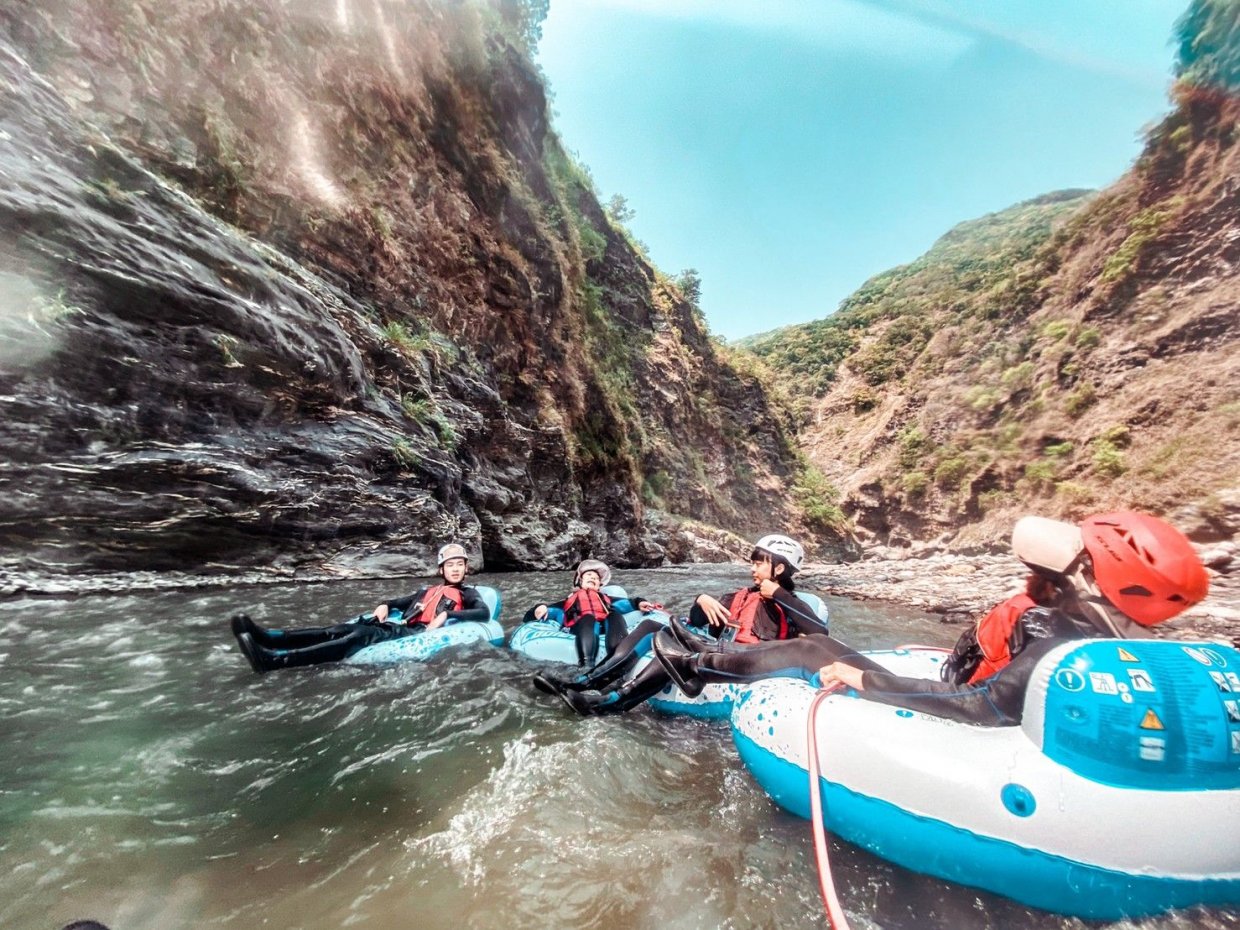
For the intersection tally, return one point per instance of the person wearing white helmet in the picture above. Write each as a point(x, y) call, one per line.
point(766, 610)
point(1112, 575)
point(587, 609)
point(429, 607)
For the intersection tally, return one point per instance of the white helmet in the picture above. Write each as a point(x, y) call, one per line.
point(785, 547)
point(1047, 544)
point(593, 565)
point(452, 551)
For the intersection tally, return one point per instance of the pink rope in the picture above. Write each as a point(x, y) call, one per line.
point(826, 884)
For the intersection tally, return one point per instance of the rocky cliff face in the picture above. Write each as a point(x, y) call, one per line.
point(308, 287)
point(1072, 354)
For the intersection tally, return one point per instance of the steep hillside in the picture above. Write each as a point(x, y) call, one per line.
point(909, 303)
point(312, 285)
point(1069, 354)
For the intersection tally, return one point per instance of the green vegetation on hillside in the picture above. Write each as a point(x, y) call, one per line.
point(1073, 348)
point(982, 268)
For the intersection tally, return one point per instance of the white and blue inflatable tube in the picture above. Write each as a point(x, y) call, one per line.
point(1118, 795)
point(715, 701)
point(422, 646)
point(547, 641)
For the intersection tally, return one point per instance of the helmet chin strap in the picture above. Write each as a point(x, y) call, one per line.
point(1100, 612)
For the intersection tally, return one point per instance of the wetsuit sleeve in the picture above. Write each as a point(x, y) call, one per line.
point(801, 616)
point(622, 605)
point(473, 608)
point(998, 701)
point(404, 603)
point(529, 614)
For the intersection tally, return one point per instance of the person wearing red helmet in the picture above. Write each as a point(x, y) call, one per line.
point(430, 607)
point(1113, 575)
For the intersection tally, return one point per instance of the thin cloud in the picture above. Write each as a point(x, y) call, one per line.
point(943, 15)
point(843, 25)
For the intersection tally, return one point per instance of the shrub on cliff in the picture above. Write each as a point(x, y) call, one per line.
point(1208, 36)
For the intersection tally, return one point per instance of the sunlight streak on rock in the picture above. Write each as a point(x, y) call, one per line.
point(308, 163)
point(389, 46)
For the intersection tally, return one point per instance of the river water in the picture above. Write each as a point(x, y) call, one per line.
point(151, 780)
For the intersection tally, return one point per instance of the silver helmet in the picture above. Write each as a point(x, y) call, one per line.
point(592, 565)
point(452, 551)
point(785, 547)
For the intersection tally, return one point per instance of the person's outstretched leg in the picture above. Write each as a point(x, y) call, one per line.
point(587, 640)
point(307, 636)
point(797, 658)
point(617, 629)
point(679, 662)
point(333, 650)
point(693, 641)
point(650, 682)
point(631, 648)
point(295, 638)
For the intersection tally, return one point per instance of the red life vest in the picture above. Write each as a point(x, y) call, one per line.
point(433, 599)
point(994, 634)
point(744, 611)
point(585, 602)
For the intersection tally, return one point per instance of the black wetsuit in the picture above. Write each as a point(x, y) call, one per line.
point(995, 701)
point(585, 632)
point(797, 618)
point(314, 645)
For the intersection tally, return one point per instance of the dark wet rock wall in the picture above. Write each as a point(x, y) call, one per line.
point(287, 294)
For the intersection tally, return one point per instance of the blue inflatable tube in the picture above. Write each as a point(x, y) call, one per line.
point(547, 641)
point(1117, 796)
point(422, 646)
point(715, 701)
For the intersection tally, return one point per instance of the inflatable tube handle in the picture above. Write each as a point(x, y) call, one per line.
point(491, 597)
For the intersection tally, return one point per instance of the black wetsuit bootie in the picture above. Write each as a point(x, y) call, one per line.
point(679, 663)
point(583, 702)
point(605, 673)
point(549, 684)
point(241, 623)
point(252, 651)
point(633, 692)
point(688, 639)
point(596, 679)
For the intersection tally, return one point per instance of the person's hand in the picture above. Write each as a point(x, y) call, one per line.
point(645, 606)
point(540, 612)
point(380, 612)
point(716, 614)
point(768, 588)
point(840, 674)
point(440, 620)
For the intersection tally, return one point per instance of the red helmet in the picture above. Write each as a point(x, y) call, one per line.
point(1145, 567)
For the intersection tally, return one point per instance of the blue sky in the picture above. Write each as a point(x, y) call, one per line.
point(790, 149)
